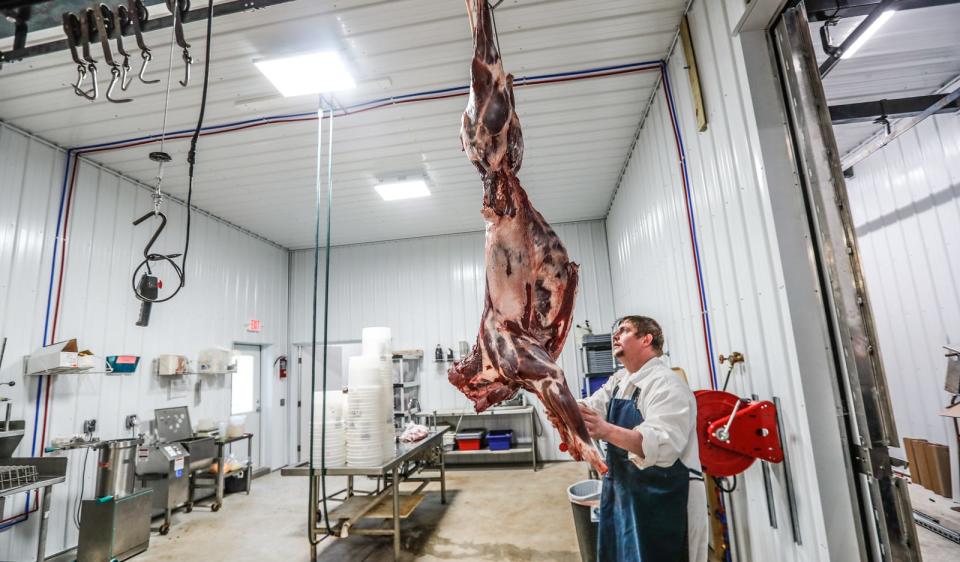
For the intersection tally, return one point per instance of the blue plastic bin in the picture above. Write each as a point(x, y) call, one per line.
point(499, 439)
point(595, 382)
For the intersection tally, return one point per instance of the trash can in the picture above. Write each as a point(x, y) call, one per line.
point(584, 498)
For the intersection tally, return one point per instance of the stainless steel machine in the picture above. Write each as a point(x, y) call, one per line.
point(173, 426)
point(164, 468)
point(166, 465)
point(116, 524)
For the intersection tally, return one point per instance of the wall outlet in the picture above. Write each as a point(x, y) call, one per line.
point(89, 426)
point(131, 421)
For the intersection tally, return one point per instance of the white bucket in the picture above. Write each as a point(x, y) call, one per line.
point(377, 342)
point(363, 371)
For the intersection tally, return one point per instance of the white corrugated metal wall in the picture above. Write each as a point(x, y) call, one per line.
point(232, 279)
point(653, 268)
point(430, 290)
point(905, 201)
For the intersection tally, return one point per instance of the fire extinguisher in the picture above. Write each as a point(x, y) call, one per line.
point(282, 360)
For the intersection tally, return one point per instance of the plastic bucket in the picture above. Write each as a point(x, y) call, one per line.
point(584, 496)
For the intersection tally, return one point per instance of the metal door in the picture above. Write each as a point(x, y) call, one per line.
point(245, 397)
point(338, 356)
point(864, 408)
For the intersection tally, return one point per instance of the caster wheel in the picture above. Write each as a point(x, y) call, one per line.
point(188, 508)
point(164, 529)
point(215, 507)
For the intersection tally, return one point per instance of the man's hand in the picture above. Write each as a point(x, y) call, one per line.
point(597, 427)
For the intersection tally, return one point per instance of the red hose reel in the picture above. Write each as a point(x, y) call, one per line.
point(733, 432)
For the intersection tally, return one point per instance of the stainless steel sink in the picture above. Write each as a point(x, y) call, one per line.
point(10, 437)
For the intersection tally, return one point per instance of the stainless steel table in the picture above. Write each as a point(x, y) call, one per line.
point(50, 471)
point(356, 507)
point(220, 475)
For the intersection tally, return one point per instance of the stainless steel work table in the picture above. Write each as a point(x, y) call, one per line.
point(50, 471)
point(221, 475)
point(355, 507)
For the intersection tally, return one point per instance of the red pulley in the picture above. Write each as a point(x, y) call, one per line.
point(728, 448)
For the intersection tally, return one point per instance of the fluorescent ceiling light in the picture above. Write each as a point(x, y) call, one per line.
point(315, 73)
point(408, 189)
point(876, 25)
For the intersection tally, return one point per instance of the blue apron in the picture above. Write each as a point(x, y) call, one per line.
point(643, 513)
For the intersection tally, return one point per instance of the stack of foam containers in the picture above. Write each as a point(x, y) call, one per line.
point(364, 412)
point(330, 446)
point(377, 343)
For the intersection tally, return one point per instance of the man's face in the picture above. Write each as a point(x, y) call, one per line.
point(628, 343)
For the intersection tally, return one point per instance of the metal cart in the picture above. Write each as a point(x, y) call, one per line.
point(393, 471)
point(210, 480)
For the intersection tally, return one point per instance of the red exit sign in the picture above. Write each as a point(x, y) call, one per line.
point(253, 326)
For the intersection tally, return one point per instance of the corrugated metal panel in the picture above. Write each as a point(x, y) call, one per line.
point(914, 54)
point(653, 268)
point(232, 278)
point(576, 132)
point(429, 291)
point(905, 200)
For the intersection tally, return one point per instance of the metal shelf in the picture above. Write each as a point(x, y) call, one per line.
point(519, 450)
point(64, 371)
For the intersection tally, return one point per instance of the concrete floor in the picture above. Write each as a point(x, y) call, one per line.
point(485, 519)
point(933, 547)
point(509, 515)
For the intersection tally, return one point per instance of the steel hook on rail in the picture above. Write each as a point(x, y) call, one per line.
point(121, 27)
point(71, 28)
point(138, 16)
point(104, 19)
point(88, 33)
point(179, 9)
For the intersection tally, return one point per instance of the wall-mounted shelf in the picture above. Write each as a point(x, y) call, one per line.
point(62, 371)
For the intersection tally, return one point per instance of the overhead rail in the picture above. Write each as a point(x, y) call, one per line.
point(882, 138)
point(882, 110)
point(835, 53)
point(165, 22)
point(823, 10)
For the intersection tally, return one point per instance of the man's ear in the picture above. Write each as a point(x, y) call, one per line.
point(647, 339)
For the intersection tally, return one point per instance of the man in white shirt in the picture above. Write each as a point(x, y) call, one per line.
point(653, 505)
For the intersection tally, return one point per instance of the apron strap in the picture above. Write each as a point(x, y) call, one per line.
point(695, 474)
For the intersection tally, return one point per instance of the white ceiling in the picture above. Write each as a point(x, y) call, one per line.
point(915, 53)
point(577, 134)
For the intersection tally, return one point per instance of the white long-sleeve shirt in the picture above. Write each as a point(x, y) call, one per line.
point(669, 413)
point(669, 431)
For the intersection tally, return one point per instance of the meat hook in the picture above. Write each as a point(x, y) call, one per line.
point(138, 16)
point(71, 27)
point(105, 30)
point(88, 33)
point(121, 26)
point(179, 9)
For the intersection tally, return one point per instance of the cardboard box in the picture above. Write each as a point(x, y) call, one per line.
point(60, 355)
point(938, 459)
point(912, 446)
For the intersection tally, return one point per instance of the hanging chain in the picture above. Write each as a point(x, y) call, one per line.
point(161, 157)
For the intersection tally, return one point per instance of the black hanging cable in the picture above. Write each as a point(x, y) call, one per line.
point(192, 155)
point(720, 484)
point(146, 289)
point(326, 315)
